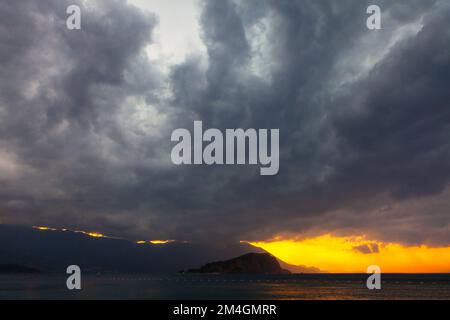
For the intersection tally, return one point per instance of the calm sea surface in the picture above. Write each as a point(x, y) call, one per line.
point(322, 286)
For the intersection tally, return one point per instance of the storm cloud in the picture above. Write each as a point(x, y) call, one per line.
point(86, 118)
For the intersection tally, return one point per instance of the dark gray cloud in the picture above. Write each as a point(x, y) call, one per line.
point(85, 120)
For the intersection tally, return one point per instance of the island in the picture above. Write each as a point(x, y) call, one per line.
point(250, 263)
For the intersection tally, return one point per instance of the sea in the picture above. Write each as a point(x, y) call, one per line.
point(227, 287)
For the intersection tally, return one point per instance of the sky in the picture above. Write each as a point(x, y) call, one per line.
point(178, 31)
point(86, 118)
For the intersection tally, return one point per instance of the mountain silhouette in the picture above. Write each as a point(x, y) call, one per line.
point(53, 251)
point(299, 268)
point(259, 263)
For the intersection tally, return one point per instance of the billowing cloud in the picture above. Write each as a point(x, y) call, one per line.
point(86, 118)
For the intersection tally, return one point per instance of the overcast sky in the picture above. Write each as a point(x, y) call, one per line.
point(364, 117)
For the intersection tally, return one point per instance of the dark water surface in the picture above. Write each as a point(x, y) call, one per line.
point(319, 286)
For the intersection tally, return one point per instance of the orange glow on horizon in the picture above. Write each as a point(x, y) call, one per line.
point(154, 241)
point(101, 235)
point(90, 234)
point(354, 254)
point(44, 228)
point(161, 241)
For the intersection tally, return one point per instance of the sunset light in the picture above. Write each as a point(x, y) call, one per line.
point(354, 254)
point(236, 150)
point(45, 228)
point(161, 241)
point(90, 234)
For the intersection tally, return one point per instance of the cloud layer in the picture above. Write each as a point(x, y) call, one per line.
point(86, 118)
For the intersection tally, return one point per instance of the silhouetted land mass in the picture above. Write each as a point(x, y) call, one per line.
point(298, 269)
point(250, 263)
point(16, 269)
point(53, 251)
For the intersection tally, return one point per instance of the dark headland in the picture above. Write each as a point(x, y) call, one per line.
point(250, 263)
